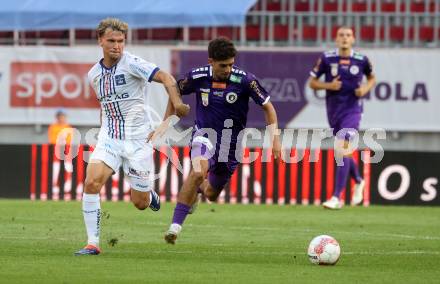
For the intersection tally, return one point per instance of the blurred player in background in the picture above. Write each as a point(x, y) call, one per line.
point(222, 97)
point(60, 131)
point(59, 125)
point(344, 70)
point(119, 81)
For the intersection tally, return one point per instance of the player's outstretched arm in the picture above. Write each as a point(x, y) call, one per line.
point(172, 89)
point(365, 88)
point(270, 116)
point(163, 127)
point(334, 85)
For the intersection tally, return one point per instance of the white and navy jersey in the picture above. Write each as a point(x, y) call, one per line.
point(121, 92)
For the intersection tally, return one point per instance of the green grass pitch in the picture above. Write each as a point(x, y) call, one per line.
point(219, 244)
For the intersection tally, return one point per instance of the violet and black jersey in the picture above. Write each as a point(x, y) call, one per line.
point(351, 71)
point(217, 102)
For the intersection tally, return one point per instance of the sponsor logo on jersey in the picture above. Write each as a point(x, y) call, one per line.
point(354, 69)
point(120, 80)
point(358, 56)
point(138, 173)
point(256, 88)
point(141, 70)
point(334, 69)
point(115, 97)
point(344, 61)
point(218, 93)
point(235, 79)
point(205, 98)
point(231, 97)
point(219, 85)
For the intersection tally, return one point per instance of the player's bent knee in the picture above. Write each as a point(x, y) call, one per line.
point(212, 195)
point(92, 186)
point(212, 198)
point(198, 177)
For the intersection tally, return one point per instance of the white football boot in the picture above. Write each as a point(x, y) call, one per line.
point(333, 203)
point(358, 193)
point(171, 235)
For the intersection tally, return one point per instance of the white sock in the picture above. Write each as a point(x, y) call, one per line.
point(92, 217)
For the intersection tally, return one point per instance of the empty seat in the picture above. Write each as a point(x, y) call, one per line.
point(310, 33)
point(229, 32)
point(417, 6)
point(159, 34)
point(302, 6)
point(426, 33)
point(359, 6)
point(388, 6)
point(367, 33)
point(63, 34)
point(281, 32)
point(197, 34)
point(330, 6)
point(6, 35)
point(84, 34)
point(397, 33)
point(253, 32)
point(166, 34)
point(274, 5)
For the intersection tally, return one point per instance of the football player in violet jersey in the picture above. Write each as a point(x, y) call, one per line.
point(344, 70)
point(222, 92)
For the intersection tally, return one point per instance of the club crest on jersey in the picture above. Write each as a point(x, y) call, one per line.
point(205, 99)
point(120, 80)
point(334, 69)
point(354, 69)
point(231, 97)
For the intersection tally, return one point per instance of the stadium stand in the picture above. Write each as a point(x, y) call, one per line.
point(377, 23)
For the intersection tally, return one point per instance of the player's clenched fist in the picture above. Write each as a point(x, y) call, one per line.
point(336, 84)
point(182, 109)
point(361, 91)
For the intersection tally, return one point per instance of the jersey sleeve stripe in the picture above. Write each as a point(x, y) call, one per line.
point(266, 101)
point(153, 73)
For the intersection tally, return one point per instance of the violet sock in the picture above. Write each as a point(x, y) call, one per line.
point(341, 176)
point(354, 171)
point(180, 213)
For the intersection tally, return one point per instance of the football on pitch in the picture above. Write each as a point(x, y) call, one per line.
point(324, 250)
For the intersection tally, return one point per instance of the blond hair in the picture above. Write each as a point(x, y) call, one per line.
point(111, 23)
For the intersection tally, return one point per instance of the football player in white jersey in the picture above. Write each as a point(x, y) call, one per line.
point(119, 80)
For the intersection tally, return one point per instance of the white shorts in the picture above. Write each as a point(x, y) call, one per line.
point(135, 156)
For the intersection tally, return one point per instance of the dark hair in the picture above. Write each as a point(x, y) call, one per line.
point(346, 28)
point(221, 48)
